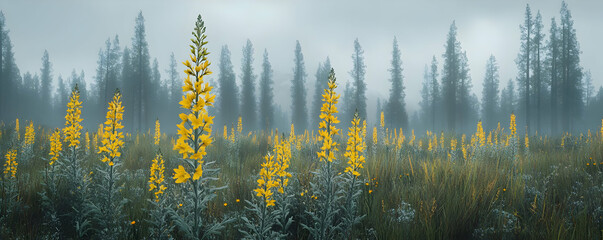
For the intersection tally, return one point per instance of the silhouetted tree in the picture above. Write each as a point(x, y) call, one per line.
point(490, 102)
point(396, 107)
point(266, 95)
point(524, 64)
point(299, 116)
point(248, 100)
point(358, 74)
point(228, 90)
point(322, 77)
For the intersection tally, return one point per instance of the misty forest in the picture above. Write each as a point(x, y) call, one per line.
point(223, 141)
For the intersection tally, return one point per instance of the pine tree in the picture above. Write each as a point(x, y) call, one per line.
point(571, 79)
point(175, 93)
point(299, 115)
point(107, 72)
point(46, 80)
point(396, 107)
point(358, 77)
point(434, 93)
point(490, 94)
point(228, 90)
point(425, 102)
point(523, 64)
point(451, 77)
point(248, 100)
point(538, 71)
point(507, 99)
point(553, 69)
point(141, 75)
point(266, 95)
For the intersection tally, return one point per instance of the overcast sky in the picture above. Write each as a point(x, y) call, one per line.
point(73, 32)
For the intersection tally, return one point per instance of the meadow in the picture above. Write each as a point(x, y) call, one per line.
point(357, 183)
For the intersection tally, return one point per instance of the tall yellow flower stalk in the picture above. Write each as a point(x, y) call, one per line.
point(87, 138)
point(195, 129)
point(355, 148)
point(327, 127)
point(112, 139)
point(56, 146)
point(602, 130)
point(73, 128)
point(157, 135)
point(157, 167)
point(10, 166)
point(283, 158)
point(30, 135)
point(481, 135)
point(157, 176)
point(382, 120)
point(513, 125)
point(17, 130)
point(375, 139)
point(527, 141)
point(267, 180)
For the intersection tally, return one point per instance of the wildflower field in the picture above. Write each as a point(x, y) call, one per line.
point(216, 182)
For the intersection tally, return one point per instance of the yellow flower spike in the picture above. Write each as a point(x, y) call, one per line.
point(157, 135)
point(112, 139)
point(30, 135)
point(327, 126)
point(56, 146)
point(267, 180)
point(195, 129)
point(157, 176)
point(513, 126)
point(355, 147)
point(73, 128)
point(17, 130)
point(10, 166)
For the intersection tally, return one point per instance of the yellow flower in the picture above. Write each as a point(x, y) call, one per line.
point(72, 123)
point(17, 130)
point(513, 126)
point(237, 200)
point(327, 125)
point(527, 141)
point(382, 121)
point(375, 136)
point(157, 176)
point(133, 222)
point(56, 145)
point(112, 139)
point(198, 172)
point(481, 135)
point(10, 166)
point(283, 157)
point(181, 175)
point(354, 148)
point(30, 135)
point(195, 128)
point(157, 136)
point(267, 180)
point(225, 204)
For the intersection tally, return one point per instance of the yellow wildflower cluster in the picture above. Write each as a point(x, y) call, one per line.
point(464, 147)
point(157, 177)
point(195, 129)
point(283, 158)
point(527, 141)
point(240, 125)
point(17, 130)
point(382, 120)
point(453, 144)
point(513, 126)
point(267, 180)
point(157, 132)
point(375, 139)
point(10, 166)
point(327, 127)
point(73, 127)
point(87, 138)
point(481, 135)
point(112, 140)
point(30, 134)
point(602, 130)
point(55, 146)
point(354, 148)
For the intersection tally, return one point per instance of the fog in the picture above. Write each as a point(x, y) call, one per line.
point(74, 31)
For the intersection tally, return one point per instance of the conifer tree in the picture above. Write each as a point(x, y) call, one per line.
point(248, 100)
point(299, 114)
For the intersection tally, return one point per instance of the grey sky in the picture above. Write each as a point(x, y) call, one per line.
point(73, 31)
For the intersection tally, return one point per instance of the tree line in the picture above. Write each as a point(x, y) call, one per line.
point(551, 94)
